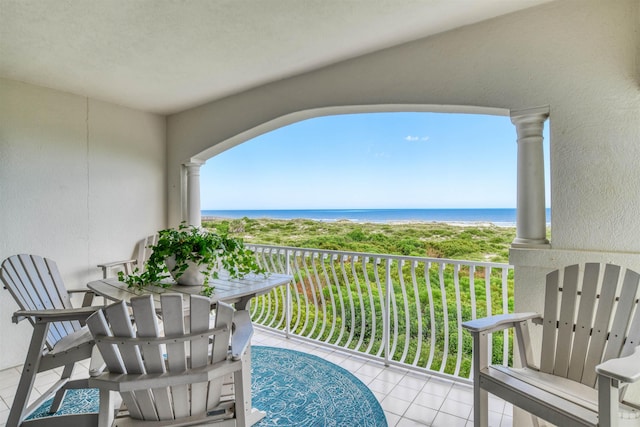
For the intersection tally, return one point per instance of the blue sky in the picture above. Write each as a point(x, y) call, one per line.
point(370, 161)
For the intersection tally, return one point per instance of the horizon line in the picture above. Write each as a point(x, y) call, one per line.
point(352, 209)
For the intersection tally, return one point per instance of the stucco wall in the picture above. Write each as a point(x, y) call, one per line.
point(80, 182)
point(578, 57)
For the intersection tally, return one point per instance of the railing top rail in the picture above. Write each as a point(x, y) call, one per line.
point(383, 256)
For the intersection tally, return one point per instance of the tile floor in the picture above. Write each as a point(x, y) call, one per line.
point(408, 398)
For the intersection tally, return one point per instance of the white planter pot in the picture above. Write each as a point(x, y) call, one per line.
point(192, 276)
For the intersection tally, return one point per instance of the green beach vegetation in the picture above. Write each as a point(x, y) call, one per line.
point(469, 242)
point(475, 242)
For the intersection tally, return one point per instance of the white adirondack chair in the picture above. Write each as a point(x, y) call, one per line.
point(590, 337)
point(142, 254)
point(161, 379)
point(58, 339)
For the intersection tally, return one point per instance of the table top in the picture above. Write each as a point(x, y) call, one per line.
point(232, 291)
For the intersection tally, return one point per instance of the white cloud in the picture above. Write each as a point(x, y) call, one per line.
point(416, 138)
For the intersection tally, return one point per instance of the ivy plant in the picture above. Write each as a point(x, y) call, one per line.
point(207, 249)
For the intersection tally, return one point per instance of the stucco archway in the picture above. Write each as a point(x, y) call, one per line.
point(531, 218)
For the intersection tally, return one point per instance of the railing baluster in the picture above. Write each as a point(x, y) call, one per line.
point(456, 284)
point(288, 287)
point(279, 258)
point(416, 293)
point(487, 285)
point(387, 303)
point(273, 259)
point(336, 282)
point(363, 319)
point(267, 259)
point(281, 300)
point(396, 319)
point(271, 296)
point(365, 274)
point(352, 309)
point(298, 275)
point(334, 308)
point(505, 309)
point(259, 317)
point(269, 317)
point(407, 320)
point(314, 266)
point(432, 315)
point(472, 299)
point(472, 290)
point(303, 282)
point(445, 317)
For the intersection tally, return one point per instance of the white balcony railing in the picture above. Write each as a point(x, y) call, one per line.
point(401, 310)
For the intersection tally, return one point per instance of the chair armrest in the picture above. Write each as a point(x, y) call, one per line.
point(109, 265)
point(116, 263)
point(498, 322)
point(624, 369)
point(88, 295)
point(55, 315)
point(241, 338)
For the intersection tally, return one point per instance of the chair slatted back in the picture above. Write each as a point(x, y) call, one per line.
point(175, 357)
point(591, 315)
point(142, 251)
point(35, 283)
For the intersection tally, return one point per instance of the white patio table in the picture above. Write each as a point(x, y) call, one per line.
point(233, 291)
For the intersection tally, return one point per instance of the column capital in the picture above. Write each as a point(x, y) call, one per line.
point(530, 123)
point(529, 115)
point(194, 163)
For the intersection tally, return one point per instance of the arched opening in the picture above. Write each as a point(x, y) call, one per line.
point(371, 160)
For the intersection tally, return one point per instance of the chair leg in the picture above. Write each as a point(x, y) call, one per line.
point(242, 388)
point(246, 415)
point(29, 371)
point(480, 396)
point(608, 394)
point(480, 406)
point(106, 414)
point(57, 401)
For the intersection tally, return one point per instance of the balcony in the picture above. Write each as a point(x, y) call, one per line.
point(392, 321)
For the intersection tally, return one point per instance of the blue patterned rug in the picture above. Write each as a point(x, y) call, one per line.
point(294, 388)
point(300, 389)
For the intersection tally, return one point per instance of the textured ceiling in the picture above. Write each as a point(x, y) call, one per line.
point(165, 56)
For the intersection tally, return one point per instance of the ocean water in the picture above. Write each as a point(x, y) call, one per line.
point(501, 217)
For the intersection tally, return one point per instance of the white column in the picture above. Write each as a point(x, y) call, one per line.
point(530, 217)
point(194, 216)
